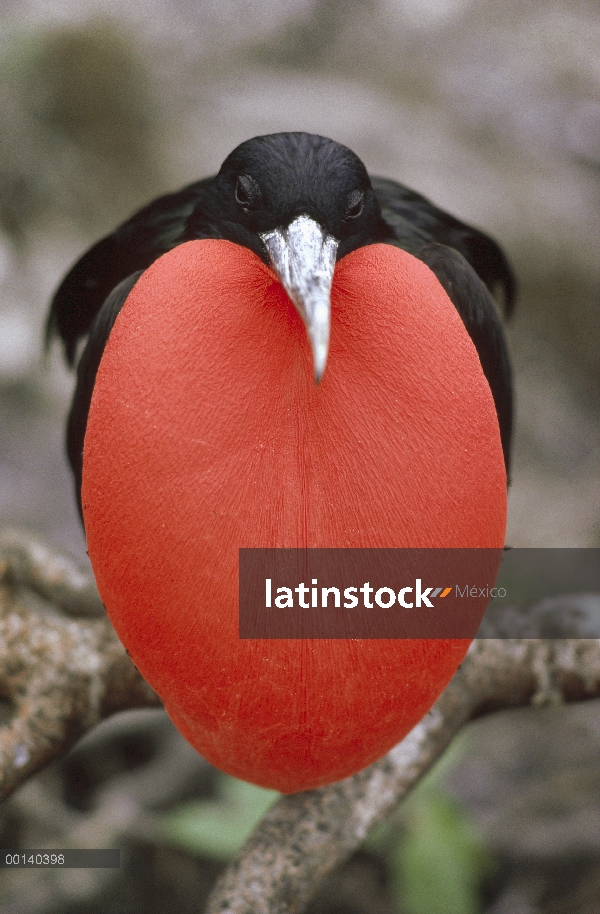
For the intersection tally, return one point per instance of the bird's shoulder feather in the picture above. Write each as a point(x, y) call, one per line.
point(133, 246)
point(415, 221)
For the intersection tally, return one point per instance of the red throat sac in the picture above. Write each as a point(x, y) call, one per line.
point(207, 434)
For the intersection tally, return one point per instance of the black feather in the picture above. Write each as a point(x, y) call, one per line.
point(415, 221)
point(135, 245)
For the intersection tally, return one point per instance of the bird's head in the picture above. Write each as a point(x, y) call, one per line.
point(301, 202)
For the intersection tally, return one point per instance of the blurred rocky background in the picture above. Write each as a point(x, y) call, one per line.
point(493, 111)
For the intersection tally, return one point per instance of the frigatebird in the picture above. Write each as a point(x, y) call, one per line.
point(203, 422)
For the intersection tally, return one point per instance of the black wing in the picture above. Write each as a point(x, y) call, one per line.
point(415, 222)
point(135, 245)
point(482, 321)
point(86, 376)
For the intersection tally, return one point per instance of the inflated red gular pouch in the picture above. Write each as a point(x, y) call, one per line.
point(207, 433)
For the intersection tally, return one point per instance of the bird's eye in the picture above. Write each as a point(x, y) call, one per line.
point(247, 192)
point(354, 205)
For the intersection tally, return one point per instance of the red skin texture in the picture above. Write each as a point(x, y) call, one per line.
point(207, 433)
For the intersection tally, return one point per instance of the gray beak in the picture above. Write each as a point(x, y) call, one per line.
point(303, 256)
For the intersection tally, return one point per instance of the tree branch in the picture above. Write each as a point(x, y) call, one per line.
point(59, 675)
point(62, 670)
point(305, 836)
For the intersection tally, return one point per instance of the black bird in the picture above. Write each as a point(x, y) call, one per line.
point(285, 196)
point(203, 436)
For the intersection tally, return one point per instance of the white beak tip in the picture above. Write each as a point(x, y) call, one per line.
point(320, 351)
